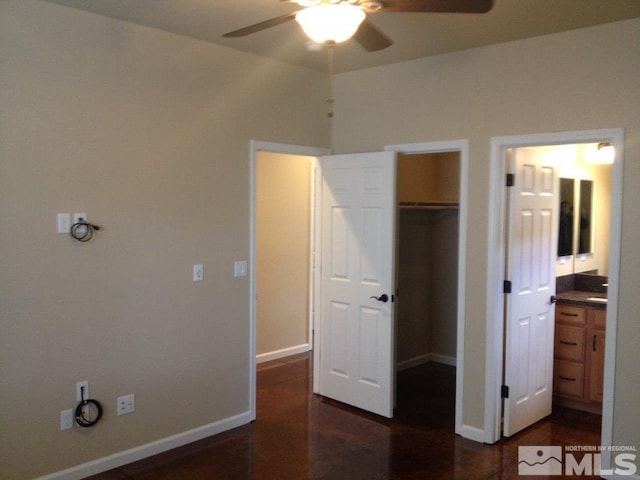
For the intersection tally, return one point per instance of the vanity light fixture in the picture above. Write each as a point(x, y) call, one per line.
point(606, 153)
point(330, 22)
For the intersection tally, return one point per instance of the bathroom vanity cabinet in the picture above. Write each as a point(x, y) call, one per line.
point(579, 356)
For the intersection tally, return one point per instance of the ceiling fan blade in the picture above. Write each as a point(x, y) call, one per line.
point(257, 27)
point(443, 6)
point(371, 37)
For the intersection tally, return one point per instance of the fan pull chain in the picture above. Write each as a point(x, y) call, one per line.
point(330, 100)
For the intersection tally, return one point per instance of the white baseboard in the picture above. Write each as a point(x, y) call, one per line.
point(472, 433)
point(143, 451)
point(446, 359)
point(413, 362)
point(426, 358)
point(285, 352)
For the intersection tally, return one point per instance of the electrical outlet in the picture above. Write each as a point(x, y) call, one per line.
point(126, 404)
point(66, 419)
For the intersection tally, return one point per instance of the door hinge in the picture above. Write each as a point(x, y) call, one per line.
point(506, 286)
point(511, 179)
point(504, 391)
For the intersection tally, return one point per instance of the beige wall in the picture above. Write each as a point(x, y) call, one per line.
point(414, 282)
point(580, 80)
point(283, 217)
point(427, 282)
point(444, 284)
point(429, 177)
point(149, 134)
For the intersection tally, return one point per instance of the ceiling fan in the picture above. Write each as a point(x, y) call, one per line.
point(354, 13)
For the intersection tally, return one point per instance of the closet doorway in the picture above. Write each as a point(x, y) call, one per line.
point(427, 258)
point(428, 274)
point(444, 170)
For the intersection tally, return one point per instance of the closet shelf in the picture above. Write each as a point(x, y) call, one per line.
point(431, 205)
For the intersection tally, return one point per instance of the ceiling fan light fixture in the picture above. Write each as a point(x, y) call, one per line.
point(329, 22)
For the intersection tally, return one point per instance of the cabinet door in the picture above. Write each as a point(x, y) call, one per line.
point(598, 318)
point(596, 365)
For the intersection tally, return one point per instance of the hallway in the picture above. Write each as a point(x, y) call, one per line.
point(299, 435)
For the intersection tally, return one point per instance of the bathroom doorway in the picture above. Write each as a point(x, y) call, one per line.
point(496, 255)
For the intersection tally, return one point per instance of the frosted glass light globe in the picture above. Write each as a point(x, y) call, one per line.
point(330, 22)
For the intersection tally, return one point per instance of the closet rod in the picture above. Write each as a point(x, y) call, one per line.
point(431, 205)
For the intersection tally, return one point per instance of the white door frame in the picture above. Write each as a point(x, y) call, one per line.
point(496, 255)
point(256, 146)
point(461, 146)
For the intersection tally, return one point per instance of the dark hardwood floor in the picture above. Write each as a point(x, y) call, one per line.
point(299, 435)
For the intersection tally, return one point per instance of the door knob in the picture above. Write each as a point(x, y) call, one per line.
point(384, 298)
point(552, 300)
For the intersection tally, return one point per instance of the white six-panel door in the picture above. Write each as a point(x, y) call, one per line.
point(533, 228)
point(357, 265)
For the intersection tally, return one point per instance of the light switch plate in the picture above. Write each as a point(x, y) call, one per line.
point(198, 272)
point(66, 419)
point(64, 222)
point(240, 268)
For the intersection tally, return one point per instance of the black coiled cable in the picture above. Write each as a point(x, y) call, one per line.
point(83, 231)
point(88, 412)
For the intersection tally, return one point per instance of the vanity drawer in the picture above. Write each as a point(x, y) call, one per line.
point(599, 318)
point(571, 314)
point(569, 343)
point(568, 378)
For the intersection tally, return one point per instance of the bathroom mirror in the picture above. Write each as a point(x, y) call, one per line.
point(565, 228)
point(585, 198)
point(575, 223)
point(584, 223)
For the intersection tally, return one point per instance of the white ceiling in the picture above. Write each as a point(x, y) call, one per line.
point(415, 35)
